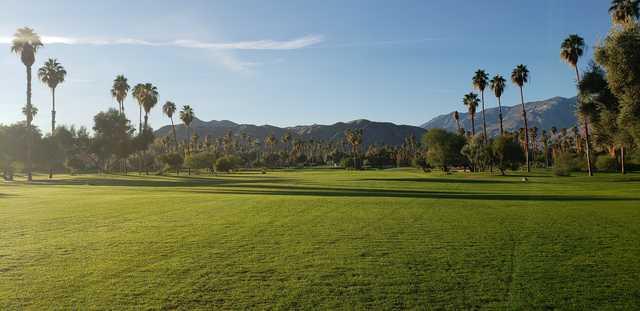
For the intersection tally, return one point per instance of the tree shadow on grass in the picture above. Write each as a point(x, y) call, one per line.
point(290, 190)
point(444, 180)
point(157, 181)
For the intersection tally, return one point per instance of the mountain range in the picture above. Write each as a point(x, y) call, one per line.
point(557, 111)
point(544, 114)
point(374, 132)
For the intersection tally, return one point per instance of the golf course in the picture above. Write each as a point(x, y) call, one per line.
point(321, 239)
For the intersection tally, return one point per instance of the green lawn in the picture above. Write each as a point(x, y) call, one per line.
point(321, 239)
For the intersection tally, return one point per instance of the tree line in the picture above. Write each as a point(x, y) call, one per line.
point(607, 136)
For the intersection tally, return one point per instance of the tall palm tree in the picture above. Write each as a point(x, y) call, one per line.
point(26, 43)
point(456, 116)
point(120, 90)
point(472, 101)
point(480, 81)
point(52, 74)
point(138, 94)
point(519, 77)
point(624, 12)
point(150, 100)
point(571, 50)
point(169, 109)
point(186, 116)
point(498, 84)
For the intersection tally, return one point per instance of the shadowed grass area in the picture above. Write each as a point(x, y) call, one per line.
point(321, 239)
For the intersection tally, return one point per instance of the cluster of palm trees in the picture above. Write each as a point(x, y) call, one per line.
point(26, 43)
point(480, 81)
point(146, 95)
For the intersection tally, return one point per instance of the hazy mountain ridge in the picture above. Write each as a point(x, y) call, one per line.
point(374, 132)
point(556, 111)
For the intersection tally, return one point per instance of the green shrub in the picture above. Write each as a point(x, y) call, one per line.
point(172, 161)
point(228, 164)
point(606, 163)
point(508, 153)
point(564, 164)
point(347, 162)
point(200, 160)
point(420, 161)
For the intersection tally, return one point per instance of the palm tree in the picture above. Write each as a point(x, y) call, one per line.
point(26, 43)
point(169, 109)
point(150, 100)
point(456, 116)
point(480, 81)
point(138, 94)
point(120, 90)
point(52, 74)
point(519, 77)
point(286, 140)
point(270, 140)
point(354, 137)
point(624, 12)
point(472, 101)
point(186, 116)
point(498, 84)
point(571, 50)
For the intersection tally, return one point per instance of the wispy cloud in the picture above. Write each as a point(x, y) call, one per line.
point(221, 51)
point(266, 44)
point(381, 43)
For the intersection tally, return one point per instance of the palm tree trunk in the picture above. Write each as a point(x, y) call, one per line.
point(622, 159)
point(484, 121)
point(29, 117)
point(53, 111)
point(53, 123)
point(473, 124)
point(588, 148)
point(175, 136)
point(189, 146)
point(586, 131)
point(140, 120)
point(526, 131)
point(500, 116)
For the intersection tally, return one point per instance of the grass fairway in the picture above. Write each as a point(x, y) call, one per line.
point(321, 239)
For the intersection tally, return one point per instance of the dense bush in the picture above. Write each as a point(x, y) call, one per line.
point(347, 162)
point(508, 153)
point(421, 162)
point(564, 164)
point(606, 163)
point(443, 148)
point(172, 161)
point(200, 160)
point(272, 160)
point(379, 157)
point(227, 163)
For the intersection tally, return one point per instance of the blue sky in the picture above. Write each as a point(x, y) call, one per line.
point(293, 62)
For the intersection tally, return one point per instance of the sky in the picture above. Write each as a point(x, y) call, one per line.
point(292, 62)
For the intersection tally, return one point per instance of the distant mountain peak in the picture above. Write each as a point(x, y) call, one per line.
point(556, 111)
